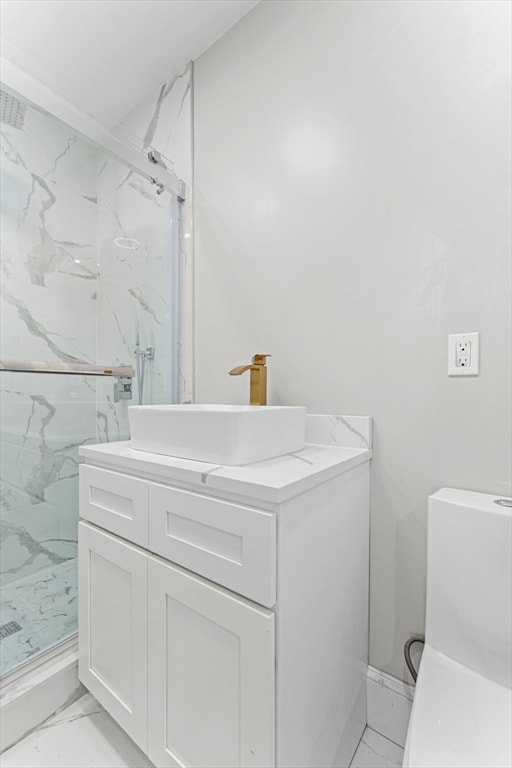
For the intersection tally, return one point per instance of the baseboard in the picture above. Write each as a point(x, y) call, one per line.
point(27, 700)
point(388, 705)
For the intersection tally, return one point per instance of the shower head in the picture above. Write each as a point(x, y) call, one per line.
point(12, 110)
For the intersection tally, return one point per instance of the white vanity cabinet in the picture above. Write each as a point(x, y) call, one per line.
point(223, 610)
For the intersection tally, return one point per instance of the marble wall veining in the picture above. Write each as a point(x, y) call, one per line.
point(48, 258)
point(163, 122)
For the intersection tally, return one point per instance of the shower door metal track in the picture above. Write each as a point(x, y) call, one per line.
point(82, 369)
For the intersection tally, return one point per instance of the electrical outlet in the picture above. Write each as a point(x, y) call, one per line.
point(463, 354)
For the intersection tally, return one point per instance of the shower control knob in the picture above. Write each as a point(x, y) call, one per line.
point(123, 388)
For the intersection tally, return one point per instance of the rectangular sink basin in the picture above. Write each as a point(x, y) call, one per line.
point(218, 434)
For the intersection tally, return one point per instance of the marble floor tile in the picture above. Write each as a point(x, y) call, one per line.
point(81, 736)
point(375, 751)
point(45, 606)
point(84, 736)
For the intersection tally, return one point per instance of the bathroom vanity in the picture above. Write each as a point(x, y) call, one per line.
point(223, 618)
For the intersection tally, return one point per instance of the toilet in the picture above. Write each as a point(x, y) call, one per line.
point(462, 710)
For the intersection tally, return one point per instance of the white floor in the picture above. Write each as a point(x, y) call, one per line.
point(84, 736)
point(375, 751)
point(81, 736)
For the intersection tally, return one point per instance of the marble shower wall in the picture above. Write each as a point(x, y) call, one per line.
point(49, 260)
point(163, 122)
point(71, 293)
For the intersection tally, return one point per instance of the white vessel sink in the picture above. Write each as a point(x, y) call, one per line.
point(218, 434)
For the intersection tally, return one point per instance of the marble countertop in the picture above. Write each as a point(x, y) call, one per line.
point(274, 480)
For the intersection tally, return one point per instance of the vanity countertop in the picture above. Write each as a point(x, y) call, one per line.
point(272, 481)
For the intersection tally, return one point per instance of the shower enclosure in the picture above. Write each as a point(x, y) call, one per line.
point(88, 295)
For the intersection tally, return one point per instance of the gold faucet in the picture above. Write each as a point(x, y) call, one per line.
point(258, 369)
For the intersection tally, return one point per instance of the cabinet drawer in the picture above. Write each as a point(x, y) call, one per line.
point(229, 544)
point(116, 502)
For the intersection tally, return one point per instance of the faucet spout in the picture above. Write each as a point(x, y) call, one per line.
point(258, 384)
point(239, 370)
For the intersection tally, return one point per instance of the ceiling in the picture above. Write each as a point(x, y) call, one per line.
point(106, 56)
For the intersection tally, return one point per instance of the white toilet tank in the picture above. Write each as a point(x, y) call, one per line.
point(462, 710)
point(469, 582)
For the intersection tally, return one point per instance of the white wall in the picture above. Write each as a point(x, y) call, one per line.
point(352, 188)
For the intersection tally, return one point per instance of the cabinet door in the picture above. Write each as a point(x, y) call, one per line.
point(112, 628)
point(210, 674)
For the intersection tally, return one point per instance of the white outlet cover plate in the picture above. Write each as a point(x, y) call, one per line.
point(473, 369)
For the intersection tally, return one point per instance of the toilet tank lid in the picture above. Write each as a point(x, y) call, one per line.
point(474, 500)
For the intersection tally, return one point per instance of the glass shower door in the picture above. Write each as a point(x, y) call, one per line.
point(86, 278)
point(45, 418)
